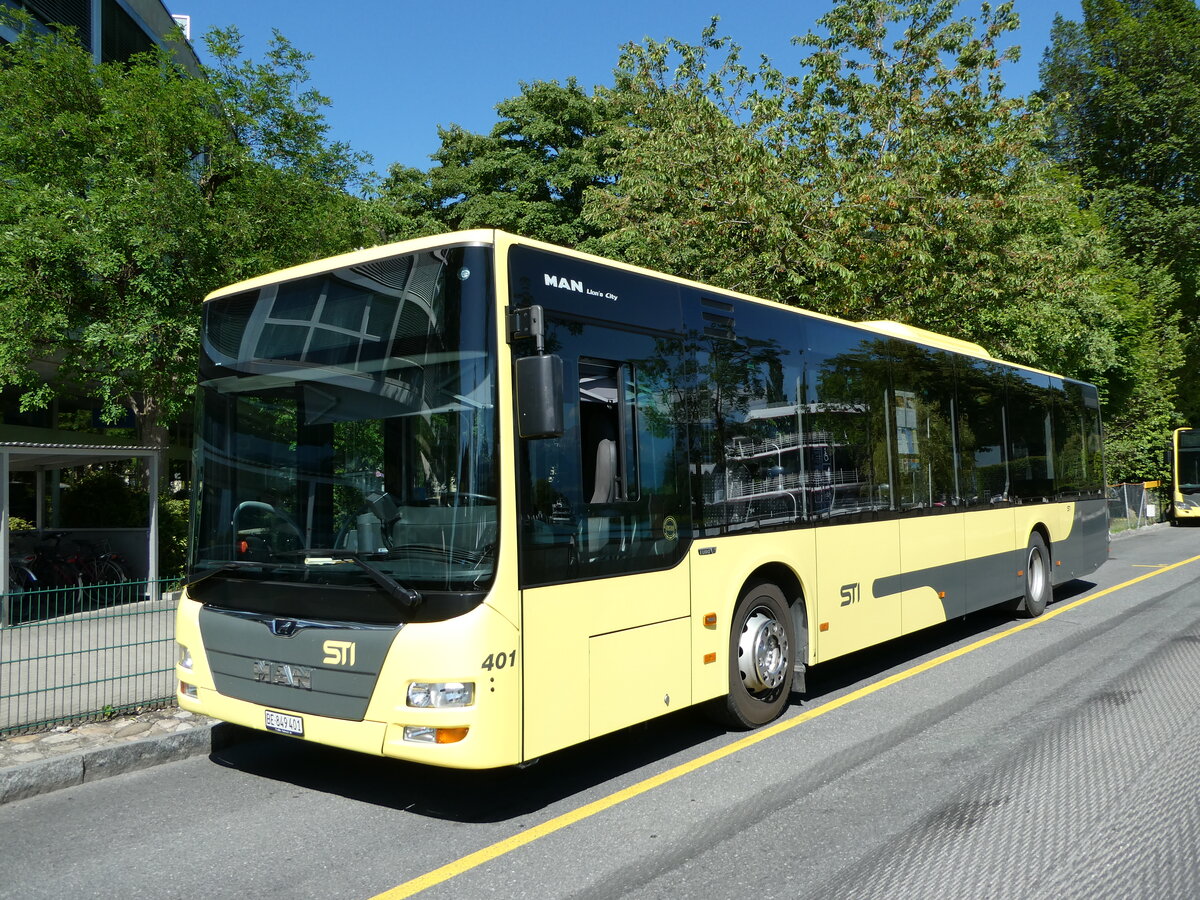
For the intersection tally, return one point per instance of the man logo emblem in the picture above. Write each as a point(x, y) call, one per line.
point(268, 671)
point(282, 627)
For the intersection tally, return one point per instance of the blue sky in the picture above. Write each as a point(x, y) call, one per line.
point(396, 69)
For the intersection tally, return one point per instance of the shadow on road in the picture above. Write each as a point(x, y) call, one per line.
point(863, 666)
point(508, 794)
point(468, 796)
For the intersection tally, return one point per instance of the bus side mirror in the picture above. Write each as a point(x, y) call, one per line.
point(1168, 458)
point(540, 396)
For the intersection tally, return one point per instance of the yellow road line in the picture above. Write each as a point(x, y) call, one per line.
point(494, 851)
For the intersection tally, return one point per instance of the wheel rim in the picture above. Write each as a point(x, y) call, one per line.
point(762, 652)
point(1037, 573)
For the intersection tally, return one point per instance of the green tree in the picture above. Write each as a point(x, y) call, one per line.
point(699, 191)
point(132, 190)
point(890, 178)
point(1128, 124)
point(528, 175)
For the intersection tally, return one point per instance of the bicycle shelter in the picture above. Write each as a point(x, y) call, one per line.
point(35, 457)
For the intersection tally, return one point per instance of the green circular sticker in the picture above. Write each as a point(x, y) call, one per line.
point(670, 529)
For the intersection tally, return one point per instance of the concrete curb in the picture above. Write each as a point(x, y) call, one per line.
point(47, 775)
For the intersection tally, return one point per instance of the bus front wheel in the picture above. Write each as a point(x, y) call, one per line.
point(1037, 578)
point(762, 644)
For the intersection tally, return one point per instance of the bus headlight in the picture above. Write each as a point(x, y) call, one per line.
point(185, 656)
point(439, 694)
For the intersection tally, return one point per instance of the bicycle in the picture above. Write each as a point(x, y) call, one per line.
point(106, 576)
point(60, 590)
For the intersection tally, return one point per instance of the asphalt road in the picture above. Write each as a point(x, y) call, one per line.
point(984, 758)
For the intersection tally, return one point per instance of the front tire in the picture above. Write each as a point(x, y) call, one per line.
point(1037, 579)
point(762, 647)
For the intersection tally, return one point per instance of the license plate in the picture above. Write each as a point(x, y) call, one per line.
point(282, 723)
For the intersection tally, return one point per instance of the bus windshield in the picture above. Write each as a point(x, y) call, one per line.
point(347, 436)
point(1187, 467)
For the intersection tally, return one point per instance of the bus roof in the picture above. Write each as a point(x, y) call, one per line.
point(479, 237)
point(493, 237)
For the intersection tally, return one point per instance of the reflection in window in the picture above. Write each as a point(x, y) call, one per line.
point(983, 475)
point(788, 421)
point(352, 413)
point(752, 466)
point(605, 498)
point(1030, 436)
point(847, 429)
point(923, 398)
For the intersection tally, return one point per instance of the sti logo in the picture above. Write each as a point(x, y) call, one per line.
point(338, 653)
point(564, 284)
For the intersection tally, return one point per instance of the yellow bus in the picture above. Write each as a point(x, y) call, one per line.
point(1183, 458)
point(470, 499)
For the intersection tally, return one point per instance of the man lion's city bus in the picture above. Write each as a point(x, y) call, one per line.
point(1183, 458)
point(470, 499)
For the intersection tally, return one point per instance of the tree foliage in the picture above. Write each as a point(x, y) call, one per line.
point(887, 174)
point(884, 173)
point(1128, 124)
point(528, 175)
point(890, 179)
point(132, 190)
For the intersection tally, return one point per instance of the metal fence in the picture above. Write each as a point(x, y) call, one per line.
point(1132, 506)
point(85, 653)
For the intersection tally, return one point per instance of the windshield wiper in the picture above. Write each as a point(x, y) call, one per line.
point(450, 554)
point(331, 557)
point(234, 565)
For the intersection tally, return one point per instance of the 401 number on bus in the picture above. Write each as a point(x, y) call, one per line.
point(499, 660)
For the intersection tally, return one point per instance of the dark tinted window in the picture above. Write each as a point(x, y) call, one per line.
point(609, 497)
point(1077, 471)
point(1030, 436)
point(749, 430)
point(923, 434)
point(846, 398)
point(983, 476)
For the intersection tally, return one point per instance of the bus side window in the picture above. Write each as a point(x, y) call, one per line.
point(1030, 437)
point(608, 497)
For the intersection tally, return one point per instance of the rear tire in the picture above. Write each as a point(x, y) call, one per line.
point(1038, 587)
point(762, 647)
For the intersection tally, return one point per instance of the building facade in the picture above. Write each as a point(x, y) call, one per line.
point(110, 29)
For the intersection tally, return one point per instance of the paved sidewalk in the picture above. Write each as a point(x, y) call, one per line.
point(32, 764)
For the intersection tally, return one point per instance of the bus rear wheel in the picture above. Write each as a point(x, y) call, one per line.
point(762, 645)
point(1037, 578)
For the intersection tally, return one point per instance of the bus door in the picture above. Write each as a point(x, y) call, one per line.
point(603, 528)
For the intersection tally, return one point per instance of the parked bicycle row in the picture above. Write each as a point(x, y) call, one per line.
point(52, 574)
